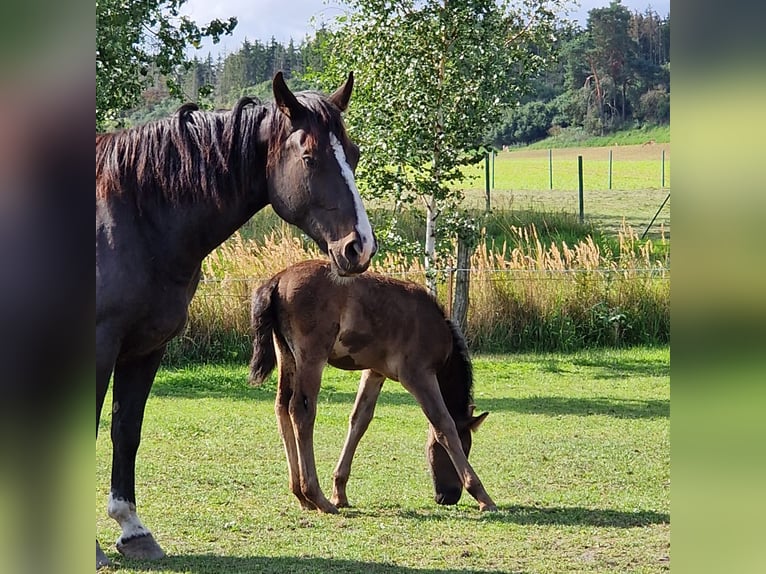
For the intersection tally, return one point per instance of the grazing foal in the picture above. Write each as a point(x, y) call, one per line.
point(306, 316)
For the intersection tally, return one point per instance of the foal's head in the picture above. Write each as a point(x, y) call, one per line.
point(447, 484)
point(311, 175)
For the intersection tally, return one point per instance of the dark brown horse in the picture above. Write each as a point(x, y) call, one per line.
point(307, 316)
point(167, 194)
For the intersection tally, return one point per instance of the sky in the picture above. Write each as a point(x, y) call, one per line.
point(285, 19)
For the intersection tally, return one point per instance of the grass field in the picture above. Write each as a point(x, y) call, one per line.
point(575, 453)
point(522, 182)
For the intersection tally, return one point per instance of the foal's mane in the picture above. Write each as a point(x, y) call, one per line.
point(200, 156)
point(456, 376)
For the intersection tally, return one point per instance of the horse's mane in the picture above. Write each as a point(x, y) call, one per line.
point(456, 376)
point(199, 155)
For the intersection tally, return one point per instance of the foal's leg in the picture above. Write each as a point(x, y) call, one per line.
point(132, 382)
point(364, 408)
point(281, 408)
point(425, 388)
point(303, 408)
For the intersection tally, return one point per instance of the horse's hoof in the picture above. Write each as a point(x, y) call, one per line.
point(488, 508)
point(142, 547)
point(340, 502)
point(101, 560)
point(328, 508)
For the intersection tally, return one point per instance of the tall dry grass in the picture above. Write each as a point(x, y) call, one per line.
point(524, 294)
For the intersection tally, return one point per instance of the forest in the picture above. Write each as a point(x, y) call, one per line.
point(611, 74)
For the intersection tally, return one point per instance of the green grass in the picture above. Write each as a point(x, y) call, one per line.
point(577, 137)
point(575, 452)
point(522, 183)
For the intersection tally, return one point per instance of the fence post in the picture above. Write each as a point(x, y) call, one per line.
point(486, 182)
point(663, 169)
point(579, 178)
point(610, 169)
point(459, 311)
point(550, 167)
point(494, 153)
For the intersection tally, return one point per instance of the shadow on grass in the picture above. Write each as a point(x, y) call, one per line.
point(609, 406)
point(604, 365)
point(211, 564)
point(183, 385)
point(555, 516)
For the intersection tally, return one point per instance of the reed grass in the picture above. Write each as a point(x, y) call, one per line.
point(529, 291)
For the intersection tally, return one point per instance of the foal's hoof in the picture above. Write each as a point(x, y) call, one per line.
point(101, 560)
point(142, 547)
point(328, 509)
point(340, 502)
point(488, 508)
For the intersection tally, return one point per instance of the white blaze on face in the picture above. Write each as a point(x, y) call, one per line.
point(363, 227)
point(124, 513)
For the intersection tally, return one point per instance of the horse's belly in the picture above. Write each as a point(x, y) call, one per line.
point(155, 329)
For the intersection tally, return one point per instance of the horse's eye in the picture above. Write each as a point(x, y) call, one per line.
point(309, 161)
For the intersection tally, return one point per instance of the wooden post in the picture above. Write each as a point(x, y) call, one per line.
point(459, 312)
point(663, 169)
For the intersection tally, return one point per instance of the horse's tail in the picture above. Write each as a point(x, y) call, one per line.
point(456, 375)
point(263, 320)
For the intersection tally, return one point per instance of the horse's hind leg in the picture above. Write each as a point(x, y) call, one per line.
point(364, 408)
point(132, 382)
point(302, 409)
point(425, 388)
point(281, 409)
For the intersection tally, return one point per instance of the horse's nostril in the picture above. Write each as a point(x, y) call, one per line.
point(352, 251)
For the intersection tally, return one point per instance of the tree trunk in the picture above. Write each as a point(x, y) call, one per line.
point(430, 254)
point(462, 284)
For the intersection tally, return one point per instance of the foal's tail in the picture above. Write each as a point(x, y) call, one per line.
point(263, 320)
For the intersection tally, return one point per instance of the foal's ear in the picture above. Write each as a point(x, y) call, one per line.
point(476, 421)
point(285, 99)
point(342, 95)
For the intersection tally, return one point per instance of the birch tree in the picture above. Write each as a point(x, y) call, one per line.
point(432, 76)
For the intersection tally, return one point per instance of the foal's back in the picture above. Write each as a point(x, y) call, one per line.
point(364, 322)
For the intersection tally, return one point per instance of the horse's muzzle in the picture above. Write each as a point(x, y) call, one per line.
point(349, 256)
point(449, 496)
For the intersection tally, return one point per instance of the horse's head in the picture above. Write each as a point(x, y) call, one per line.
point(447, 484)
point(311, 175)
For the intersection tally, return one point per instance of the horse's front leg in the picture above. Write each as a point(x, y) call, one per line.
point(364, 408)
point(106, 353)
point(303, 406)
point(425, 388)
point(132, 381)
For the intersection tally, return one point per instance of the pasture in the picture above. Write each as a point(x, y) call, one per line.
point(522, 183)
point(575, 452)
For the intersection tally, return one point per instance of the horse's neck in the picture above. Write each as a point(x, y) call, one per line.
point(193, 231)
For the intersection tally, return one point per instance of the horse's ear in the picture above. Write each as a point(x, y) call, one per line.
point(342, 95)
point(476, 421)
point(285, 99)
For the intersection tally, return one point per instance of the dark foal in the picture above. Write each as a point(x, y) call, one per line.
point(168, 193)
point(307, 316)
